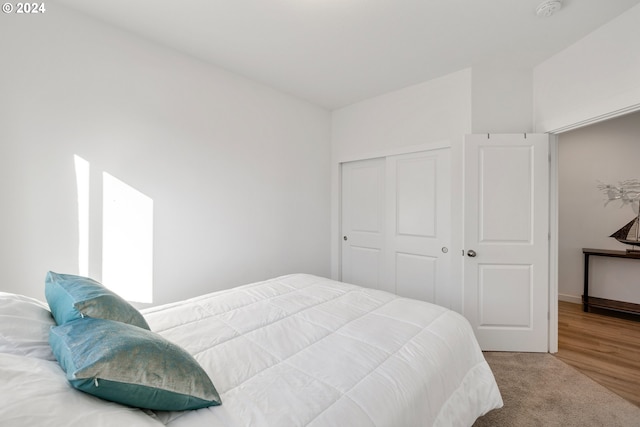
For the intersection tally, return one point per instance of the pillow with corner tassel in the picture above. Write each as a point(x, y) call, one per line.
point(132, 366)
point(72, 297)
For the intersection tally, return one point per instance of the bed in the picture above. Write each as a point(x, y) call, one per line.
point(297, 350)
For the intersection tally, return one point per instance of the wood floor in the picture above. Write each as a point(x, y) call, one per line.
point(603, 347)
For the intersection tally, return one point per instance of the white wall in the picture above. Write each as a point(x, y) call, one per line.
point(607, 152)
point(436, 112)
point(592, 79)
point(239, 173)
point(502, 98)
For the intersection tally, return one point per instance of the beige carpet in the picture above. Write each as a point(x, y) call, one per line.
point(540, 390)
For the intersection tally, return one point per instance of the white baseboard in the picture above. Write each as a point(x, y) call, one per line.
point(570, 298)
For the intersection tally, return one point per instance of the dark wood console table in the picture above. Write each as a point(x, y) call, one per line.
point(587, 301)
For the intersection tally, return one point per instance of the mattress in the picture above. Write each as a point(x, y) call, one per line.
point(297, 350)
point(302, 350)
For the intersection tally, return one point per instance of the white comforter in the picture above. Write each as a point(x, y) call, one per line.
point(301, 350)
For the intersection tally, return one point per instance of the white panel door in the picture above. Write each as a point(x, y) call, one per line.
point(506, 266)
point(419, 222)
point(363, 222)
point(396, 224)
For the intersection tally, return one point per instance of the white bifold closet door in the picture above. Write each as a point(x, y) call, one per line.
point(395, 222)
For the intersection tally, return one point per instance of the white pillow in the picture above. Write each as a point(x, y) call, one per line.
point(24, 326)
point(36, 392)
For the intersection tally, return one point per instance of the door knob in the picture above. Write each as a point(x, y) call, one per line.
point(471, 253)
point(344, 238)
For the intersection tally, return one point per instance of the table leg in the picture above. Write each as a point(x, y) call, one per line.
point(585, 295)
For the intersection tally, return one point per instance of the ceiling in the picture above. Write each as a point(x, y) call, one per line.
point(337, 52)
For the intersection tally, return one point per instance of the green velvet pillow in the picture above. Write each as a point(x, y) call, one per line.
point(130, 365)
point(73, 297)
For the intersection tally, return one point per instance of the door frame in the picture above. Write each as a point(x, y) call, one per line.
point(554, 207)
point(553, 243)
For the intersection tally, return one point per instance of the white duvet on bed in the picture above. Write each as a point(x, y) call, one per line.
point(301, 350)
point(35, 393)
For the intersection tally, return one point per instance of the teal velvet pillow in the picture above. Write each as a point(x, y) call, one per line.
point(73, 297)
point(129, 365)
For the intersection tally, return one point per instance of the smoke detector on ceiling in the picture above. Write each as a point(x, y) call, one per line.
point(548, 8)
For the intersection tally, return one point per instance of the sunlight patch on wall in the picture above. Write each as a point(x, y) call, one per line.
point(82, 182)
point(127, 240)
point(127, 235)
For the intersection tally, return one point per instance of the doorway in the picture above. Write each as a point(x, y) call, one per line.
point(602, 153)
point(556, 135)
